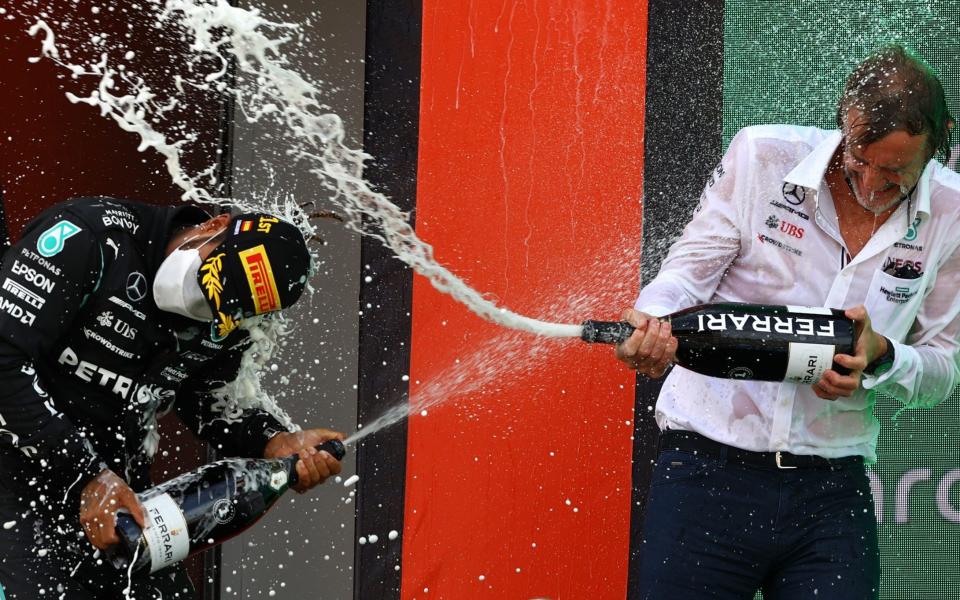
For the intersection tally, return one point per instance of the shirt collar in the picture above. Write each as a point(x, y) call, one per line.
point(810, 171)
point(922, 194)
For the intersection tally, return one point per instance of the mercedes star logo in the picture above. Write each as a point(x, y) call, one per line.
point(136, 286)
point(794, 194)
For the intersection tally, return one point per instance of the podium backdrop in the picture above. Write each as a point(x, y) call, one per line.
point(527, 128)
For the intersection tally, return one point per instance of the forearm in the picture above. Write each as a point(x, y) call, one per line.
point(30, 423)
point(920, 376)
point(232, 432)
point(709, 244)
point(666, 294)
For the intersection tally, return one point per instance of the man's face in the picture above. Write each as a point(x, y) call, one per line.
point(882, 173)
point(206, 243)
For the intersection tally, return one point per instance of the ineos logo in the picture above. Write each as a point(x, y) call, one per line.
point(136, 286)
point(794, 194)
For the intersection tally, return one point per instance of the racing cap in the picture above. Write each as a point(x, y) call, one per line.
point(261, 266)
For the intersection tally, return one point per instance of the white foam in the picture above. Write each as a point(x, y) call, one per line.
point(225, 33)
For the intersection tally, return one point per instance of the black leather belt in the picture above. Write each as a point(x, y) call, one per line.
point(688, 441)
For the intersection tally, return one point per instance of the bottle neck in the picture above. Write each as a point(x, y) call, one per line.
point(290, 468)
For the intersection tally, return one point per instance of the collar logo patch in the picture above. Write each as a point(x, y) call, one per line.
point(50, 243)
point(794, 194)
point(912, 231)
point(263, 286)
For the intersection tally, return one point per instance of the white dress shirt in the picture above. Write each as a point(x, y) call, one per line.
point(766, 232)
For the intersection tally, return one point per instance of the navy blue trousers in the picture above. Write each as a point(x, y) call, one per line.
point(723, 530)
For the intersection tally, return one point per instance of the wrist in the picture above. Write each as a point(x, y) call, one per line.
point(881, 363)
point(263, 432)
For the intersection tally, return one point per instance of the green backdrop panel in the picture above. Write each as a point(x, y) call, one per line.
point(785, 62)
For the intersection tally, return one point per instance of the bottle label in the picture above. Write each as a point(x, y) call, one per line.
point(785, 325)
point(813, 310)
point(278, 480)
point(167, 536)
point(808, 362)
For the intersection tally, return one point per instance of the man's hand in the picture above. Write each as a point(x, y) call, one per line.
point(99, 502)
point(651, 349)
point(870, 345)
point(314, 467)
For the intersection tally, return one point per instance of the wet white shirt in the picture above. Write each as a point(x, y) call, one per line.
point(766, 232)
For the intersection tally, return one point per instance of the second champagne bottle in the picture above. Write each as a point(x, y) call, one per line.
point(204, 508)
point(762, 342)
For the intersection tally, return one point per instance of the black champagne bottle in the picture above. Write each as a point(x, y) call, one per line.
point(750, 341)
point(204, 508)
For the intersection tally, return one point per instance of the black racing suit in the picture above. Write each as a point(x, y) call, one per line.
point(87, 362)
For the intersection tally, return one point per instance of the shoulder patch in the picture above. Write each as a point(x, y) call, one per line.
point(120, 218)
point(51, 242)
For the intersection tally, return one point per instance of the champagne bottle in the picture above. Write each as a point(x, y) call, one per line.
point(204, 508)
point(750, 341)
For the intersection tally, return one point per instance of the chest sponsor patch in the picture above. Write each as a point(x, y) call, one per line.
point(903, 268)
point(107, 320)
point(174, 374)
point(798, 213)
point(23, 294)
point(136, 286)
point(126, 305)
point(32, 276)
point(36, 258)
point(784, 226)
point(120, 218)
point(92, 373)
point(793, 194)
point(16, 311)
point(898, 295)
point(90, 334)
point(909, 239)
point(766, 239)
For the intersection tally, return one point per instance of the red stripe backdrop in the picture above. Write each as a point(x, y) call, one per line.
point(529, 186)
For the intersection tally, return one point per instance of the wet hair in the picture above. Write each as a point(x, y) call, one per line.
point(896, 91)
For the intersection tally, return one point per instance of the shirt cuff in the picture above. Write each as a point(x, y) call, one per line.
point(904, 359)
point(654, 310)
point(257, 430)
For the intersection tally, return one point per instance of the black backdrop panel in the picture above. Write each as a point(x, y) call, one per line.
point(682, 144)
point(391, 119)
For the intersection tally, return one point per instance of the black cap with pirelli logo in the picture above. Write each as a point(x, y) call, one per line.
point(261, 266)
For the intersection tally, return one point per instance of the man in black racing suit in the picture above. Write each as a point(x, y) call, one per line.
point(112, 313)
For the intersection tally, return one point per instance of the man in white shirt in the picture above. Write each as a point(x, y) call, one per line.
point(762, 485)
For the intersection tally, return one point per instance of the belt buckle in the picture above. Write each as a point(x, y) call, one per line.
point(780, 465)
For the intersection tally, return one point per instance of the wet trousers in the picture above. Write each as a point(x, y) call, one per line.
point(718, 527)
